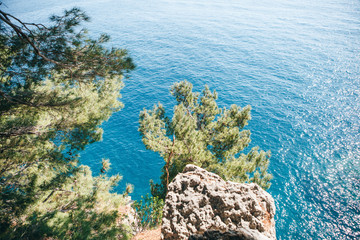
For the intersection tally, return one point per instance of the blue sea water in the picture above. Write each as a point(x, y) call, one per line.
point(297, 63)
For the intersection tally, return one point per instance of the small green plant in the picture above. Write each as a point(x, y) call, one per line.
point(149, 210)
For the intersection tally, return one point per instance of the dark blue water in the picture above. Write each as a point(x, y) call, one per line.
point(296, 63)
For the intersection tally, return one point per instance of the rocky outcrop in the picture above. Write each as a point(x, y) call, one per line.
point(128, 216)
point(217, 235)
point(201, 205)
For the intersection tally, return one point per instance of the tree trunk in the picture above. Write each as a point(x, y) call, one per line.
point(168, 163)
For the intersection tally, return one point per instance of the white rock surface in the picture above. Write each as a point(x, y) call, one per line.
point(199, 202)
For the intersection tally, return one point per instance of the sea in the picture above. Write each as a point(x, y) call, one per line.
point(297, 63)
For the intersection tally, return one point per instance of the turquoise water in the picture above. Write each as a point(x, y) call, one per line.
point(296, 63)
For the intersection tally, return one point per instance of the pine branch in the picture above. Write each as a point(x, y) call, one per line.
point(30, 104)
point(5, 17)
point(56, 190)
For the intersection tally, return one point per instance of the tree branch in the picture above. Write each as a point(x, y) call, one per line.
point(168, 163)
point(55, 190)
point(5, 17)
point(58, 104)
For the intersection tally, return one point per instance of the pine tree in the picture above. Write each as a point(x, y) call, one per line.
point(203, 134)
point(56, 88)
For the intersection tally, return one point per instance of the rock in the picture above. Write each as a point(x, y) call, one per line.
point(201, 205)
point(129, 217)
point(217, 235)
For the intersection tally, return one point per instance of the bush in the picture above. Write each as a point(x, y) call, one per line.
point(149, 211)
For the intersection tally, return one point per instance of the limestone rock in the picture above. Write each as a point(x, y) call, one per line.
point(201, 205)
point(128, 216)
point(217, 235)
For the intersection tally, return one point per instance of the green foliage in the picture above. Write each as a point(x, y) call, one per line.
point(83, 209)
point(56, 88)
point(149, 211)
point(203, 134)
